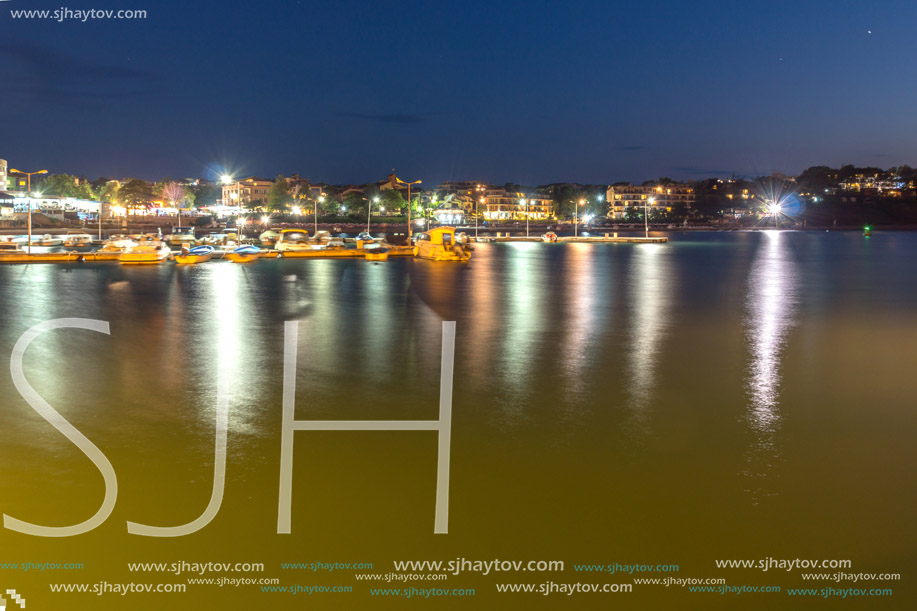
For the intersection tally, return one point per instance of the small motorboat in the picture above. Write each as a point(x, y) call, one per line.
point(364, 238)
point(77, 240)
point(324, 239)
point(376, 254)
point(439, 245)
point(151, 250)
point(226, 239)
point(293, 240)
point(182, 236)
point(197, 254)
point(269, 238)
point(244, 254)
point(118, 244)
point(549, 237)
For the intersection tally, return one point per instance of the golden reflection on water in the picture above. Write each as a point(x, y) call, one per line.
point(770, 314)
point(581, 286)
point(651, 288)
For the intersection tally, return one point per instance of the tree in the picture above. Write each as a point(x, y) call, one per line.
point(135, 192)
point(279, 196)
point(105, 191)
point(160, 186)
point(206, 195)
point(64, 185)
point(817, 179)
point(176, 194)
point(354, 202)
point(391, 199)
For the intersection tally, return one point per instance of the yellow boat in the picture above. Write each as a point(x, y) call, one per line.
point(150, 251)
point(376, 254)
point(198, 254)
point(244, 254)
point(440, 245)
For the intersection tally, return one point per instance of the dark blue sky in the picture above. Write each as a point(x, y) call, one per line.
point(530, 92)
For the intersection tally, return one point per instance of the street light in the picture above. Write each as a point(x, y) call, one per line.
point(226, 179)
point(29, 188)
point(416, 182)
point(646, 221)
point(369, 211)
point(320, 198)
point(476, 217)
point(525, 203)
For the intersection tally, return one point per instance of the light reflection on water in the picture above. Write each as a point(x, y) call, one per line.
point(771, 306)
point(651, 288)
point(563, 351)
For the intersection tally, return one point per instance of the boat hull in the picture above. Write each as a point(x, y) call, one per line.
point(237, 257)
point(192, 259)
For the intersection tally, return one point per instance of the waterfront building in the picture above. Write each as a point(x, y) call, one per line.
point(624, 198)
point(500, 204)
point(241, 193)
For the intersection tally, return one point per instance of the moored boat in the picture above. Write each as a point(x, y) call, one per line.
point(549, 237)
point(197, 254)
point(376, 254)
point(182, 236)
point(439, 245)
point(269, 238)
point(294, 240)
point(77, 240)
point(244, 254)
point(150, 250)
point(118, 244)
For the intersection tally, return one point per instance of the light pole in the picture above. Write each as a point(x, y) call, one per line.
point(476, 217)
point(29, 188)
point(646, 216)
point(525, 203)
point(576, 217)
point(369, 211)
point(320, 198)
point(416, 182)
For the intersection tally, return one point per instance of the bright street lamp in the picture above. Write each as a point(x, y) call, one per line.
point(416, 182)
point(226, 179)
point(29, 179)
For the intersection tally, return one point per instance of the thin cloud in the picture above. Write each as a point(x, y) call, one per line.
point(399, 119)
point(30, 69)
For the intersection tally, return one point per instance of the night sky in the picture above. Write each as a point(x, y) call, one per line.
point(529, 92)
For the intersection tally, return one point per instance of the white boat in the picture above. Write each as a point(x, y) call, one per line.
point(294, 240)
point(77, 239)
point(150, 250)
point(224, 240)
point(182, 236)
point(118, 244)
point(549, 237)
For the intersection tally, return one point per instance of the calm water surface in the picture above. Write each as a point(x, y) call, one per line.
point(725, 395)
